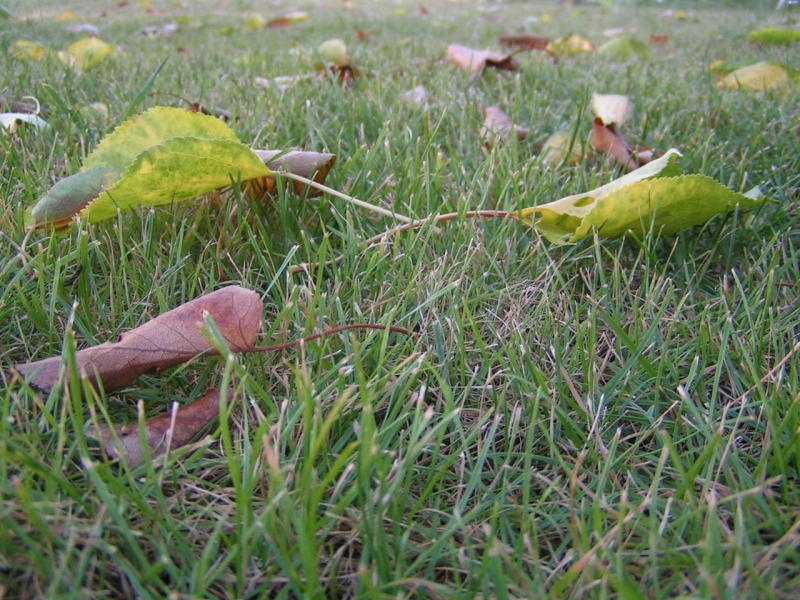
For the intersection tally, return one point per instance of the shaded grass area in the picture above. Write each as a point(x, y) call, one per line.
point(617, 418)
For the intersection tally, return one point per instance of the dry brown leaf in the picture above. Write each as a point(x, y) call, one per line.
point(476, 60)
point(525, 42)
point(607, 140)
point(163, 432)
point(498, 125)
point(169, 339)
point(311, 165)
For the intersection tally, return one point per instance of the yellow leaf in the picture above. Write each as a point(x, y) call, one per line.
point(570, 45)
point(22, 49)
point(758, 77)
point(86, 53)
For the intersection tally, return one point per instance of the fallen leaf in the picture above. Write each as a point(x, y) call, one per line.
point(288, 19)
point(623, 48)
point(525, 42)
point(561, 148)
point(157, 125)
point(607, 140)
point(176, 170)
point(611, 109)
point(654, 197)
point(419, 96)
point(774, 35)
point(27, 49)
point(570, 45)
point(169, 339)
point(311, 165)
point(659, 38)
point(163, 432)
point(86, 53)
point(334, 51)
point(10, 121)
point(758, 77)
point(70, 195)
point(476, 61)
point(497, 125)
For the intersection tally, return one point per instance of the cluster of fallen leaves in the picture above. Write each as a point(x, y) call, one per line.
point(228, 319)
point(166, 155)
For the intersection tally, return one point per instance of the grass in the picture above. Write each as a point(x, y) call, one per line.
point(613, 419)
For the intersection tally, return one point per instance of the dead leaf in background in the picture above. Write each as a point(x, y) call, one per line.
point(758, 77)
point(419, 96)
point(476, 61)
point(169, 339)
point(311, 165)
point(525, 42)
point(288, 19)
point(163, 432)
point(86, 53)
point(611, 109)
point(335, 51)
point(570, 45)
point(561, 149)
point(608, 141)
point(27, 49)
point(656, 38)
point(497, 125)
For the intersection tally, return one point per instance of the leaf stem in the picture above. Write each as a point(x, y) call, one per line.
point(328, 190)
point(332, 331)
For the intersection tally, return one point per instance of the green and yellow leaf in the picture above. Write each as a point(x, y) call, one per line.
point(652, 198)
point(153, 127)
point(176, 170)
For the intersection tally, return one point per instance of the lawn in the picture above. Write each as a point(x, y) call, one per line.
point(614, 418)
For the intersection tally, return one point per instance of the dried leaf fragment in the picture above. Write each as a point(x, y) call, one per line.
point(166, 431)
point(497, 125)
point(169, 339)
point(570, 45)
point(476, 61)
point(607, 140)
point(525, 42)
point(311, 165)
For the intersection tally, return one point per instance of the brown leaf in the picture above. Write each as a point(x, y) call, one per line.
point(163, 432)
point(656, 38)
point(498, 125)
point(525, 42)
point(476, 60)
point(169, 339)
point(311, 165)
point(607, 140)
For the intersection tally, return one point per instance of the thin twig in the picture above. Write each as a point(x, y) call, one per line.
point(328, 190)
point(332, 331)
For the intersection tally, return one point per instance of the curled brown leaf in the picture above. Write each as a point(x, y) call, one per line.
point(477, 60)
point(498, 125)
point(166, 431)
point(311, 165)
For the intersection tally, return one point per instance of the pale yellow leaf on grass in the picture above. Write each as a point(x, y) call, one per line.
point(612, 109)
point(758, 77)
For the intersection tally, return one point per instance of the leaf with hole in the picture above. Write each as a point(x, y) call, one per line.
point(655, 198)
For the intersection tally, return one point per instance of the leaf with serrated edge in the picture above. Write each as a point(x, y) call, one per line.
point(176, 170)
point(153, 127)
